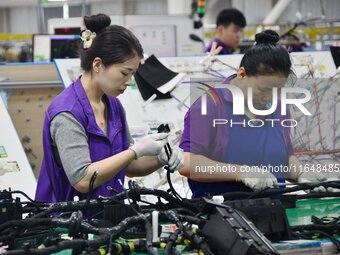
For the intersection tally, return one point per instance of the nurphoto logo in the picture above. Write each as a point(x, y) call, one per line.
point(239, 103)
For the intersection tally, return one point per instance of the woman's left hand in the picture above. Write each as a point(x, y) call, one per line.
point(314, 177)
point(176, 160)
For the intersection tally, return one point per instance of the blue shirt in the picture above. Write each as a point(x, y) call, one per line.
point(235, 145)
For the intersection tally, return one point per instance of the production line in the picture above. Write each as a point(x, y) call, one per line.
point(208, 127)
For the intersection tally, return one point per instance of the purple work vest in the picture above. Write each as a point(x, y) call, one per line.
point(53, 184)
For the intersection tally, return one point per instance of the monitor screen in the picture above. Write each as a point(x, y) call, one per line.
point(47, 47)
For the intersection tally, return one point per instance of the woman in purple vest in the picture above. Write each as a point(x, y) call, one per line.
point(223, 157)
point(85, 133)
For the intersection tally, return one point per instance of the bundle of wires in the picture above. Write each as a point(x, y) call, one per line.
point(327, 227)
point(184, 213)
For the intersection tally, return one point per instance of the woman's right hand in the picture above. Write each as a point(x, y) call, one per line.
point(258, 181)
point(176, 160)
point(150, 145)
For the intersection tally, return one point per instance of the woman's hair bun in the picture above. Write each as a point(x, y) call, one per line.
point(267, 36)
point(97, 22)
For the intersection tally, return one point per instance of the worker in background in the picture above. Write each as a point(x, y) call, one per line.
point(229, 28)
point(264, 66)
point(85, 135)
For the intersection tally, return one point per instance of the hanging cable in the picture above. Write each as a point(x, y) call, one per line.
point(91, 184)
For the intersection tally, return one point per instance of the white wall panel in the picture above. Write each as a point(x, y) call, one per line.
point(23, 20)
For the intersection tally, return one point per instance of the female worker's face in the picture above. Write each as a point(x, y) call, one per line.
point(262, 86)
point(114, 79)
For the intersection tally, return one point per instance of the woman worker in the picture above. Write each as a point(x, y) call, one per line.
point(245, 152)
point(85, 133)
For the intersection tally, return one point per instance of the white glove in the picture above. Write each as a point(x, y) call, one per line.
point(258, 181)
point(176, 160)
point(314, 177)
point(150, 145)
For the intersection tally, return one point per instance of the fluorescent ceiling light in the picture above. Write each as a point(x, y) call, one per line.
point(65, 11)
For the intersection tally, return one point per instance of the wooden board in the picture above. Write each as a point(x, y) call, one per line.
point(27, 109)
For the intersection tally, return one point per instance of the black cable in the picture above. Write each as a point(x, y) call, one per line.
point(9, 236)
point(149, 247)
point(197, 241)
point(74, 224)
point(275, 191)
point(27, 223)
point(147, 202)
point(91, 184)
point(326, 226)
point(185, 203)
point(25, 195)
point(318, 195)
point(116, 199)
point(172, 189)
point(169, 249)
point(29, 209)
point(36, 204)
point(297, 24)
point(100, 202)
point(290, 31)
point(168, 150)
point(77, 225)
point(323, 13)
point(67, 244)
point(309, 234)
point(109, 249)
point(258, 193)
point(191, 220)
point(173, 217)
point(166, 129)
point(331, 227)
point(185, 211)
point(105, 233)
point(326, 220)
point(135, 191)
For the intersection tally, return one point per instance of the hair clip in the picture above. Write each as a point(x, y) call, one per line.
point(87, 37)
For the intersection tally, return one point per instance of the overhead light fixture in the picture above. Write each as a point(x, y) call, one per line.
point(65, 11)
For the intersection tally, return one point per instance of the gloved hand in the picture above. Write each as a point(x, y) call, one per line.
point(150, 145)
point(315, 177)
point(258, 180)
point(176, 160)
